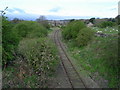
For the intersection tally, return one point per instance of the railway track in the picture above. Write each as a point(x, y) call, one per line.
point(73, 76)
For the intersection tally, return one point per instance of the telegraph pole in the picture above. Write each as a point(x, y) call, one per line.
point(2, 13)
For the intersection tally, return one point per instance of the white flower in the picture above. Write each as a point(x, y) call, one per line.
point(105, 29)
point(99, 31)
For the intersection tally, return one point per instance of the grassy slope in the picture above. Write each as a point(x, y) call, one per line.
point(99, 56)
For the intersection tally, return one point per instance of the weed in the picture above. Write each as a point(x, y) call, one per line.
point(101, 55)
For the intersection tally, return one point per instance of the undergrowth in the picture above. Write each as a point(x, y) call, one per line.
point(94, 54)
point(29, 57)
point(41, 54)
point(101, 55)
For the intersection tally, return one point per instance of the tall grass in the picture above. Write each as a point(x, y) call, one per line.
point(101, 55)
point(94, 54)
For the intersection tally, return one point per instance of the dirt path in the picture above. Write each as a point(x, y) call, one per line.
point(66, 74)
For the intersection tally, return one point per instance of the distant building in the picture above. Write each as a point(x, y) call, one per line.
point(58, 22)
point(89, 24)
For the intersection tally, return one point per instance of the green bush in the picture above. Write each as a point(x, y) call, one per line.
point(72, 29)
point(43, 21)
point(45, 24)
point(13, 33)
point(30, 29)
point(41, 54)
point(10, 41)
point(84, 36)
point(106, 24)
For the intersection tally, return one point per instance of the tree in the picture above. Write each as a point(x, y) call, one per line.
point(111, 19)
point(72, 20)
point(118, 19)
point(15, 20)
point(92, 20)
point(42, 20)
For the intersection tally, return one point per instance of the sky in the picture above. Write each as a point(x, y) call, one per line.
point(60, 9)
point(119, 8)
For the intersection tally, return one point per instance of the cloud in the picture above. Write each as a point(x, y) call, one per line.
point(113, 9)
point(23, 16)
point(99, 0)
point(56, 9)
point(99, 8)
point(19, 10)
point(15, 10)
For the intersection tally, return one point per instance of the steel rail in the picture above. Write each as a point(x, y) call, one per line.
point(61, 46)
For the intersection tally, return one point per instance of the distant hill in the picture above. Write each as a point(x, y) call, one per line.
point(49, 17)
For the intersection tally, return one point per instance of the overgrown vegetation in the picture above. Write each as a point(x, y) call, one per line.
point(12, 34)
point(42, 20)
point(26, 46)
point(72, 29)
point(10, 41)
point(78, 33)
point(100, 54)
point(107, 30)
point(30, 29)
point(85, 35)
point(41, 54)
point(0, 43)
point(106, 24)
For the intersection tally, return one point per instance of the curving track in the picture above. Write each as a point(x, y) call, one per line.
point(73, 76)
